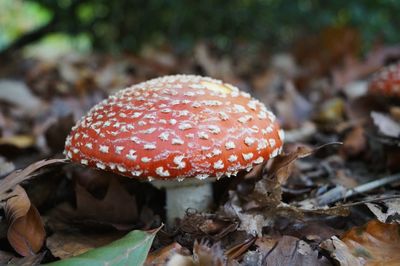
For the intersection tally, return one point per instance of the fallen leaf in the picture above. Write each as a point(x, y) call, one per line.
point(293, 110)
point(57, 132)
point(5, 257)
point(18, 93)
point(341, 253)
point(20, 141)
point(282, 165)
point(267, 191)
point(315, 231)
point(302, 133)
point(355, 142)
point(26, 232)
point(386, 125)
point(257, 208)
point(395, 112)
point(356, 89)
point(375, 243)
point(6, 166)
point(18, 176)
point(215, 68)
point(345, 179)
point(289, 250)
point(117, 208)
point(332, 111)
point(28, 261)
point(132, 249)
point(200, 225)
point(387, 211)
point(238, 250)
point(67, 244)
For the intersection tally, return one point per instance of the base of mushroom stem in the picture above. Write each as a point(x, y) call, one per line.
point(187, 194)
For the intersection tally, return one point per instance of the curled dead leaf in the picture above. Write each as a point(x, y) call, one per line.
point(238, 250)
point(18, 176)
point(376, 242)
point(26, 232)
point(267, 191)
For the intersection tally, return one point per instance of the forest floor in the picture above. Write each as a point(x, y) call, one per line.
point(331, 198)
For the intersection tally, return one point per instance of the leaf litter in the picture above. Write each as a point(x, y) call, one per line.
point(309, 206)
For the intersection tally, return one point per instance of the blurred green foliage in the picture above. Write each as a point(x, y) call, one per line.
point(122, 25)
point(17, 17)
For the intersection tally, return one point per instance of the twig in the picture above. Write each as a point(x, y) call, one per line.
point(367, 201)
point(339, 192)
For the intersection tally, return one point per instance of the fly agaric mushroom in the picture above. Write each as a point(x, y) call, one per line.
point(386, 82)
point(182, 132)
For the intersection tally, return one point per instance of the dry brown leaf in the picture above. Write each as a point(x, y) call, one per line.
point(355, 142)
point(315, 231)
point(395, 112)
point(376, 243)
point(118, 208)
point(26, 232)
point(16, 177)
point(73, 243)
point(239, 249)
point(282, 165)
point(288, 250)
point(267, 192)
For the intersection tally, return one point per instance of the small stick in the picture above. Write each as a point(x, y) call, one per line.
point(340, 192)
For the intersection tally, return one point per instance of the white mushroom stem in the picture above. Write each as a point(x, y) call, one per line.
point(194, 194)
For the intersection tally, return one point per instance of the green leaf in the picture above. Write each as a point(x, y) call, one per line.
point(132, 249)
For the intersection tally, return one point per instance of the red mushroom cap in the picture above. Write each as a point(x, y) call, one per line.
point(176, 127)
point(386, 82)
